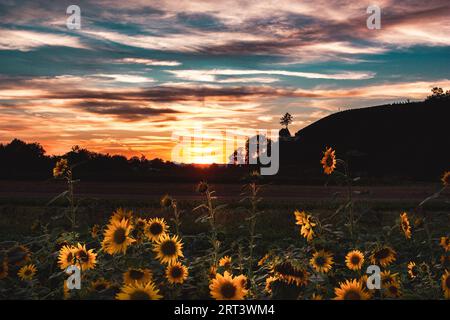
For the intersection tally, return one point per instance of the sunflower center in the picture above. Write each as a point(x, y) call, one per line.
point(156, 228)
point(320, 261)
point(352, 295)
point(69, 257)
point(139, 295)
point(168, 248)
point(27, 272)
point(355, 260)
point(119, 236)
point(83, 256)
point(136, 274)
point(228, 290)
point(382, 254)
point(329, 161)
point(176, 272)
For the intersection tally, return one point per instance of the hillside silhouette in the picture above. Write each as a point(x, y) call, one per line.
point(389, 144)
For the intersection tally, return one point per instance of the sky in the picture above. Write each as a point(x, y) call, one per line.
point(137, 72)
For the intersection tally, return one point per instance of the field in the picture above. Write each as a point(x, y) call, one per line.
point(262, 240)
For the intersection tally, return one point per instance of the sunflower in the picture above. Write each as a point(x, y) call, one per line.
point(156, 228)
point(404, 225)
point(137, 275)
point(166, 201)
point(445, 243)
point(328, 161)
point(18, 255)
point(212, 272)
point(94, 231)
point(412, 269)
point(225, 262)
point(121, 214)
point(316, 297)
point(99, 285)
point(168, 249)
point(383, 256)
point(176, 273)
point(263, 260)
point(446, 284)
point(27, 272)
point(307, 224)
point(392, 289)
point(227, 287)
point(202, 187)
point(61, 168)
point(446, 178)
point(351, 290)
point(3, 268)
point(354, 260)
point(322, 261)
point(290, 273)
point(387, 277)
point(85, 259)
point(269, 281)
point(66, 257)
point(117, 237)
point(139, 291)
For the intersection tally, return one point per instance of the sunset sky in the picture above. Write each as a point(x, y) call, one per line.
point(137, 71)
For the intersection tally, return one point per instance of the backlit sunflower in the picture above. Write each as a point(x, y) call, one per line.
point(307, 224)
point(351, 290)
point(176, 273)
point(383, 256)
point(445, 243)
point(166, 201)
point(139, 291)
point(354, 260)
point(404, 225)
point(168, 249)
point(121, 214)
point(225, 262)
point(27, 272)
point(18, 255)
point(322, 261)
point(61, 168)
point(289, 273)
point(139, 275)
point(85, 259)
point(446, 178)
point(412, 269)
point(227, 287)
point(99, 285)
point(156, 228)
point(446, 284)
point(392, 289)
point(66, 257)
point(328, 161)
point(117, 237)
point(3, 267)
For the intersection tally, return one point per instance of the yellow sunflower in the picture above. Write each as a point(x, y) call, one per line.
point(117, 237)
point(85, 259)
point(446, 178)
point(95, 231)
point(307, 224)
point(383, 256)
point(99, 285)
point(3, 267)
point(139, 275)
point(269, 281)
point(404, 225)
point(446, 284)
point(18, 255)
point(354, 260)
point(412, 269)
point(387, 277)
point(227, 287)
point(139, 291)
point(176, 273)
point(225, 262)
point(156, 228)
point(27, 272)
point(392, 289)
point(351, 290)
point(66, 257)
point(316, 296)
point(328, 161)
point(166, 201)
point(263, 260)
point(289, 273)
point(322, 261)
point(61, 168)
point(445, 243)
point(212, 272)
point(168, 249)
point(121, 214)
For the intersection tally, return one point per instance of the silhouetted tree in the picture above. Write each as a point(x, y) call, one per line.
point(286, 120)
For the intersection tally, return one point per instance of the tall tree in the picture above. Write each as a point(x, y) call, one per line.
point(286, 119)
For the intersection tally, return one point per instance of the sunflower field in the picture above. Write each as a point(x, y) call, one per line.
point(140, 256)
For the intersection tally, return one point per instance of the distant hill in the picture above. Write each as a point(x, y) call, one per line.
point(397, 141)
